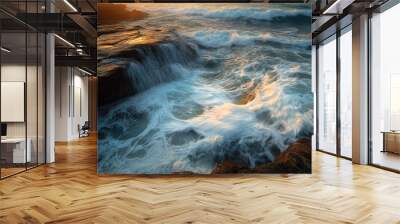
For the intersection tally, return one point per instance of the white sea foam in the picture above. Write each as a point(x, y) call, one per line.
point(273, 119)
point(191, 119)
point(256, 14)
point(227, 38)
point(235, 13)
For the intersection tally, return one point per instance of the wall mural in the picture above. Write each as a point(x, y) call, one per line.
point(204, 88)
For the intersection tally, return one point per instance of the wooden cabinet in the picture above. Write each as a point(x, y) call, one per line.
point(391, 142)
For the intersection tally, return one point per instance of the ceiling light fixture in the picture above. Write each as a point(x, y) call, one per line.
point(80, 51)
point(84, 71)
point(65, 41)
point(70, 5)
point(334, 5)
point(337, 7)
point(5, 50)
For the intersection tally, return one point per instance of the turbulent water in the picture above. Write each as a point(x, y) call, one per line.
point(230, 83)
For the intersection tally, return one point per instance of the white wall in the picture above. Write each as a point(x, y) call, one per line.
point(71, 94)
point(13, 101)
point(9, 73)
point(80, 110)
point(13, 72)
point(33, 126)
point(17, 73)
point(62, 81)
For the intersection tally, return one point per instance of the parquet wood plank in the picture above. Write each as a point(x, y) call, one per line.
point(70, 191)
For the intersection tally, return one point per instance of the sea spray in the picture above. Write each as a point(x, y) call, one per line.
point(220, 88)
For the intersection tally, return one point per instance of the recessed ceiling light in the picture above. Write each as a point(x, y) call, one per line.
point(337, 7)
point(64, 40)
point(84, 71)
point(70, 5)
point(5, 50)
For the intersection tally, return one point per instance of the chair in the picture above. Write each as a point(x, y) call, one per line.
point(84, 130)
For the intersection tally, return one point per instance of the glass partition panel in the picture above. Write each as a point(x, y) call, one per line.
point(15, 150)
point(22, 66)
point(31, 99)
point(346, 93)
point(385, 89)
point(327, 95)
point(41, 98)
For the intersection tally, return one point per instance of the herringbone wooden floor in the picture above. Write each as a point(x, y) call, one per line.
point(70, 191)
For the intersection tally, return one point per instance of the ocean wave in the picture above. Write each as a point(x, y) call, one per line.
point(213, 130)
point(241, 13)
point(156, 64)
point(257, 14)
point(216, 39)
point(227, 38)
point(213, 93)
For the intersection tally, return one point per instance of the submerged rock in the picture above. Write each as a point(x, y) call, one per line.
point(115, 40)
point(133, 60)
point(296, 159)
point(187, 111)
point(184, 137)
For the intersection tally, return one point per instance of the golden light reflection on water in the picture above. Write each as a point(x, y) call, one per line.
point(143, 40)
point(216, 116)
point(268, 94)
point(208, 6)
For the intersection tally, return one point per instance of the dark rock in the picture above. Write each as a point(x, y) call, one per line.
point(296, 159)
point(114, 86)
point(183, 137)
point(187, 111)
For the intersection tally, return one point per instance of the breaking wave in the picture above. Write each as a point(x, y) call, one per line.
point(216, 39)
point(212, 95)
point(242, 13)
point(153, 65)
point(229, 38)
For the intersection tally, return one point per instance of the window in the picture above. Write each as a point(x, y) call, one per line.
point(327, 95)
point(385, 89)
point(346, 93)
